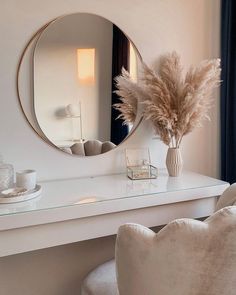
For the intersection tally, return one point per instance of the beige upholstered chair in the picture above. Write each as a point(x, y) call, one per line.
point(92, 148)
point(187, 257)
point(228, 198)
point(101, 281)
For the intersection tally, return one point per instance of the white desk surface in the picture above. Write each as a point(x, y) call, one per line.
point(78, 198)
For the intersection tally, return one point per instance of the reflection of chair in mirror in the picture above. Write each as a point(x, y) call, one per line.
point(90, 148)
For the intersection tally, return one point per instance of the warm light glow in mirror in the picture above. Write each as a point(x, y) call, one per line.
point(85, 62)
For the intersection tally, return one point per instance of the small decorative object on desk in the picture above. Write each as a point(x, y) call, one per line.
point(6, 175)
point(25, 188)
point(173, 102)
point(26, 179)
point(174, 161)
point(138, 164)
point(17, 194)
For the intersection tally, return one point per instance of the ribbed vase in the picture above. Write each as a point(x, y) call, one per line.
point(174, 162)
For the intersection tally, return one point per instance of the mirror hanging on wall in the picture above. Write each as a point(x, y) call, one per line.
point(75, 60)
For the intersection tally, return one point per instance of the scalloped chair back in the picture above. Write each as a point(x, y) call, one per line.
point(228, 198)
point(187, 257)
point(91, 148)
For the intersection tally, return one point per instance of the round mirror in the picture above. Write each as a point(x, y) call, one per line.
point(74, 60)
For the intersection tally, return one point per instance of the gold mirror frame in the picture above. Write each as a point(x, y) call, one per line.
point(39, 132)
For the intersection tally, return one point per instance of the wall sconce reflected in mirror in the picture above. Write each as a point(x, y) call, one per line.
point(85, 64)
point(73, 111)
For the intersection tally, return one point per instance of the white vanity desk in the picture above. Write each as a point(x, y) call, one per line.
point(80, 209)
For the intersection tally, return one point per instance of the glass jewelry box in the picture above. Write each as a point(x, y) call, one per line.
point(138, 164)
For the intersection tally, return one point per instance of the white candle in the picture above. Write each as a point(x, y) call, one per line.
point(26, 179)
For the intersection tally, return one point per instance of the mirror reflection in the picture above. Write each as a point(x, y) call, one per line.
point(76, 60)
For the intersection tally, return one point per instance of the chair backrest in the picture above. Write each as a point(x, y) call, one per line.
point(187, 257)
point(228, 198)
point(92, 148)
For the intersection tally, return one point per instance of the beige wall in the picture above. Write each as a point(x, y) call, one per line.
point(54, 271)
point(191, 27)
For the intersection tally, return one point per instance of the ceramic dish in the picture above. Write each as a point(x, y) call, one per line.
point(17, 194)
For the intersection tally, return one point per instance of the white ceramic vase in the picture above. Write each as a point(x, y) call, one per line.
point(174, 162)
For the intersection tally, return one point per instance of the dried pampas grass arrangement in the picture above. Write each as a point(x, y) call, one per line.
point(173, 102)
point(127, 92)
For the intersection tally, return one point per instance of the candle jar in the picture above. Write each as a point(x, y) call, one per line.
point(6, 175)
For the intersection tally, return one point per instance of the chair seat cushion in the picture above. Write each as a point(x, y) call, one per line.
point(101, 281)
